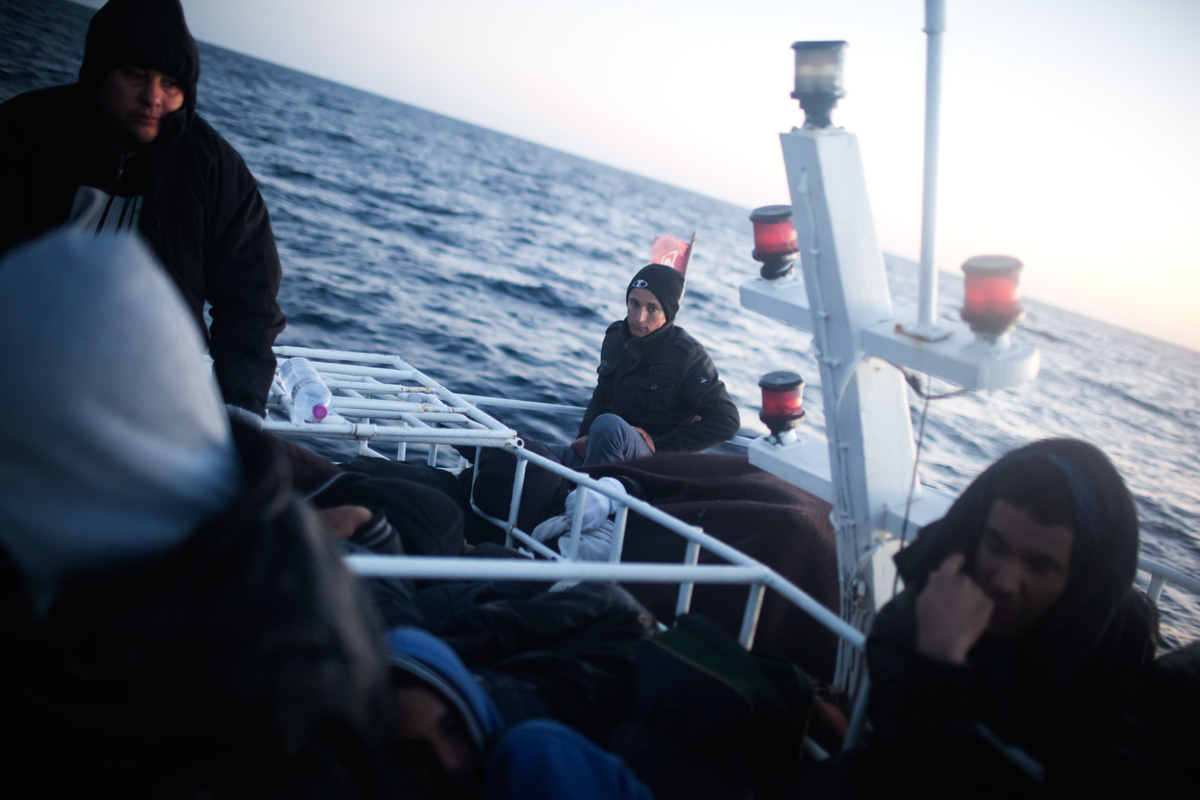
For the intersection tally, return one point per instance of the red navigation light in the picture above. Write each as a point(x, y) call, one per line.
point(992, 302)
point(775, 242)
point(782, 401)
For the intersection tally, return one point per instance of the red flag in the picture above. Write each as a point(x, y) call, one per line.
point(672, 252)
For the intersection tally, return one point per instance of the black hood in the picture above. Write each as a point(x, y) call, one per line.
point(1103, 559)
point(151, 34)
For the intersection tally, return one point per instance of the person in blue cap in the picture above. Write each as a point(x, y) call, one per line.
point(448, 741)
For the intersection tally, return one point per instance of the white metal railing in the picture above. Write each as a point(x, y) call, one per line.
point(1161, 574)
point(483, 401)
point(382, 398)
point(739, 569)
point(370, 387)
point(524, 405)
point(761, 574)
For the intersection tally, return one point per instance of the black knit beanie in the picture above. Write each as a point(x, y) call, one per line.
point(664, 282)
point(151, 34)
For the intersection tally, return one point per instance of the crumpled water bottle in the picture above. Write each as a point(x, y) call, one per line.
point(309, 393)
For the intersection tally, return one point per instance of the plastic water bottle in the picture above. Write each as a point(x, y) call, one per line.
point(309, 393)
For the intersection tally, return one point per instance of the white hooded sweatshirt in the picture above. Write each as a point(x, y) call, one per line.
point(114, 445)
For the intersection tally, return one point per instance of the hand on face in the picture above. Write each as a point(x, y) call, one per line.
point(952, 612)
point(133, 101)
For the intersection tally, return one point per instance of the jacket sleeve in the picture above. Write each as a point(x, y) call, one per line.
point(244, 275)
point(13, 177)
point(705, 394)
point(37, 181)
point(594, 409)
point(597, 405)
point(601, 400)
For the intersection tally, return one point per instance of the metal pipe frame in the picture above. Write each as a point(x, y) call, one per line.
point(739, 569)
point(1161, 573)
point(693, 534)
point(935, 26)
point(371, 386)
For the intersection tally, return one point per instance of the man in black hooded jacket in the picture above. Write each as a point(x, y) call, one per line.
point(123, 149)
point(1007, 663)
point(657, 389)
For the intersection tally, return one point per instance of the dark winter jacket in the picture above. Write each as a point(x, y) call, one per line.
point(202, 212)
point(666, 384)
point(246, 662)
point(1042, 710)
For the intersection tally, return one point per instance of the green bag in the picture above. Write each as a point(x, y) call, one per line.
point(696, 682)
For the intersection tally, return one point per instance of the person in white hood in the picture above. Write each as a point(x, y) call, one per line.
point(116, 443)
point(176, 621)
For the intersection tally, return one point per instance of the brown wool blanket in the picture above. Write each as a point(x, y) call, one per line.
point(764, 517)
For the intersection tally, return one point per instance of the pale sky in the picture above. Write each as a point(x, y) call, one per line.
point(1070, 128)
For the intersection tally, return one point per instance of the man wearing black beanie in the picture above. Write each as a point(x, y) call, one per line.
point(657, 387)
point(123, 149)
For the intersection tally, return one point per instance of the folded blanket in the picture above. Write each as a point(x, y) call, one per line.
point(595, 537)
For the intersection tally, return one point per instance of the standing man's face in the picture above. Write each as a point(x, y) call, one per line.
point(133, 101)
point(1022, 565)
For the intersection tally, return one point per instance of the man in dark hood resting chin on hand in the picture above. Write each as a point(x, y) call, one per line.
point(1004, 662)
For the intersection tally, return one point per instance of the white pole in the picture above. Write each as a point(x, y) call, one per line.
point(935, 25)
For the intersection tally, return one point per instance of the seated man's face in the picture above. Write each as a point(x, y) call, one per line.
point(133, 101)
point(1022, 565)
point(430, 739)
point(644, 314)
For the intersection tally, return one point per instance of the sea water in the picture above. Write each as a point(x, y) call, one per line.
point(495, 264)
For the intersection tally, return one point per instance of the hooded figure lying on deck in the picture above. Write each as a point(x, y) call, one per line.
point(175, 622)
point(449, 742)
point(1006, 663)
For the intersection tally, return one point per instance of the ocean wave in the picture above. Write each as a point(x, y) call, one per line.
point(1125, 397)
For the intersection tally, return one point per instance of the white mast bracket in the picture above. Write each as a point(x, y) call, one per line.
point(866, 469)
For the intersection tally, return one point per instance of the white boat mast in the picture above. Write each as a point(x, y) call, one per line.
point(935, 26)
point(860, 338)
